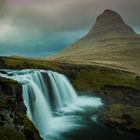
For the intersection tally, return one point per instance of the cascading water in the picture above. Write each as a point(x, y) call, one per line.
point(64, 92)
point(36, 95)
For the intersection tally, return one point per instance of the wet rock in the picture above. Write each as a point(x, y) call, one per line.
point(14, 124)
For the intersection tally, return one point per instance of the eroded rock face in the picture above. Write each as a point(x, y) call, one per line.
point(14, 124)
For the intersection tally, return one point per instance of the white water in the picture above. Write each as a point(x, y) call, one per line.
point(36, 95)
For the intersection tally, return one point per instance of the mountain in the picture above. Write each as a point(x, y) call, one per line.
point(109, 42)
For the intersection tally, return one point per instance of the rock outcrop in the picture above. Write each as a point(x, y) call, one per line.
point(14, 125)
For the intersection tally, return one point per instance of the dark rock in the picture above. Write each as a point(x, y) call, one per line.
point(13, 120)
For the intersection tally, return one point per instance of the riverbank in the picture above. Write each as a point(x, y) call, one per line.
point(119, 89)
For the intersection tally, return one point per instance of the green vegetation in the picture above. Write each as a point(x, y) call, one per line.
point(10, 134)
point(117, 89)
point(6, 100)
point(16, 63)
point(97, 80)
point(5, 80)
point(125, 116)
point(29, 130)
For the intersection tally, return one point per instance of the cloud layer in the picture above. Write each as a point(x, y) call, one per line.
point(51, 25)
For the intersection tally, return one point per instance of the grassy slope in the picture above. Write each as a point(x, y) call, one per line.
point(22, 63)
point(98, 80)
point(117, 53)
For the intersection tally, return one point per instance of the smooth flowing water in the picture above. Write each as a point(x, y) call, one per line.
point(56, 110)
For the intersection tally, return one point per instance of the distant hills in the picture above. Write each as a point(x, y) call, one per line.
point(110, 42)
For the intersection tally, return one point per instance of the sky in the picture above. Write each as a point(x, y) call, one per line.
point(39, 28)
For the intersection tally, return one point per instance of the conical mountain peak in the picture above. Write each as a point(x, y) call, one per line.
point(110, 24)
point(110, 42)
point(109, 16)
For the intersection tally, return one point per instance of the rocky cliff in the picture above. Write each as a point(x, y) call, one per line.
point(14, 125)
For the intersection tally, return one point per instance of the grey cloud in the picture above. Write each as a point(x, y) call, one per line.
point(72, 15)
point(47, 23)
point(2, 7)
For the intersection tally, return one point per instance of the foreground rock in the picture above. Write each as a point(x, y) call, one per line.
point(14, 125)
point(123, 116)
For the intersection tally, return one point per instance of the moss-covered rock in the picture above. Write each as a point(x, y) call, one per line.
point(7, 133)
point(124, 116)
point(14, 125)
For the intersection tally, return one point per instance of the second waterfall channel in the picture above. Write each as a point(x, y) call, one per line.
point(52, 103)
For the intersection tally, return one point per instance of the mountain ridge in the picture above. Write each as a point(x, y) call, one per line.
point(109, 42)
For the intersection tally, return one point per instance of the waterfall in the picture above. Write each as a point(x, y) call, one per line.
point(64, 92)
point(38, 99)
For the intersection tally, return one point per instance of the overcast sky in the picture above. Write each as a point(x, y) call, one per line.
point(40, 28)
